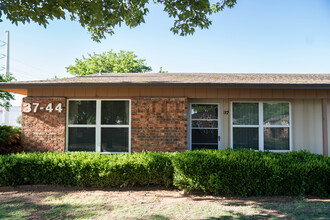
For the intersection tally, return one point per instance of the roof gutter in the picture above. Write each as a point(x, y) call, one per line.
point(160, 85)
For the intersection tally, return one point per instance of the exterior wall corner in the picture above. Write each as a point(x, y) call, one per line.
point(43, 130)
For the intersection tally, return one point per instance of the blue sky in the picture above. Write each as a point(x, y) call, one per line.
point(256, 36)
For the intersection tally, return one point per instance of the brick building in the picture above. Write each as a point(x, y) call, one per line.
point(116, 113)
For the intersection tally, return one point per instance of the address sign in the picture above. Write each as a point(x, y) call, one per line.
point(34, 107)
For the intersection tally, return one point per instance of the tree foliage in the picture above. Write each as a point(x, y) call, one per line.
point(108, 62)
point(162, 71)
point(10, 139)
point(100, 17)
point(5, 97)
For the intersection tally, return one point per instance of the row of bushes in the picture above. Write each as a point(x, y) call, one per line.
point(250, 173)
point(86, 169)
point(227, 172)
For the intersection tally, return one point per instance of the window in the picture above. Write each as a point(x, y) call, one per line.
point(261, 125)
point(99, 125)
point(205, 126)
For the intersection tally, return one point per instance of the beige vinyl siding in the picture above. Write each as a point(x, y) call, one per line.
point(225, 123)
point(307, 125)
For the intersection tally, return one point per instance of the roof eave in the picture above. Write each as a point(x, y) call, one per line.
point(6, 86)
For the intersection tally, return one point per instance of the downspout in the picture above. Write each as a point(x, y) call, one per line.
point(325, 127)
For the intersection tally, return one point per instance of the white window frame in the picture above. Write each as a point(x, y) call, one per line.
point(261, 125)
point(190, 122)
point(98, 126)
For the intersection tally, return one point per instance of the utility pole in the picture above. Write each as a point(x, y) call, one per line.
point(7, 52)
point(4, 112)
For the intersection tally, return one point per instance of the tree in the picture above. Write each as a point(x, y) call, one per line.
point(162, 71)
point(5, 97)
point(100, 17)
point(108, 62)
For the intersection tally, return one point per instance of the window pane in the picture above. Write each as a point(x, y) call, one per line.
point(276, 113)
point(203, 146)
point(276, 139)
point(204, 124)
point(204, 135)
point(114, 140)
point(246, 138)
point(81, 139)
point(82, 112)
point(204, 111)
point(114, 112)
point(245, 114)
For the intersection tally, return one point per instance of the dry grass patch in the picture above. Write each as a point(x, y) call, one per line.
point(54, 202)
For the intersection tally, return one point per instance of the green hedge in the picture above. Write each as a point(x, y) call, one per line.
point(226, 172)
point(86, 169)
point(251, 173)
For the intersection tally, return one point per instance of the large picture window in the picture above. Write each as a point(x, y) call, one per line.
point(99, 126)
point(261, 125)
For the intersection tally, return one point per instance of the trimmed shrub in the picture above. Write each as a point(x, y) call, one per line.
point(86, 169)
point(251, 173)
point(10, 139)
point(226, 172)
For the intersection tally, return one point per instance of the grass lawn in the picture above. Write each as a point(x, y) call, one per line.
point(55, 202)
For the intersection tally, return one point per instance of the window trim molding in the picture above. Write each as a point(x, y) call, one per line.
point(261, 126)
point(190, 122)
point(98, 126)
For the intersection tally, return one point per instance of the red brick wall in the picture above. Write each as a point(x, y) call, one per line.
point(43, 130)
point(159, 124)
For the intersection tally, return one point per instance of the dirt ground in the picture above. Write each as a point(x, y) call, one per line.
point(53, 202)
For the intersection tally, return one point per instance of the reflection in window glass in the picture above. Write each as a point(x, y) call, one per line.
point(92, 120)
point(245, 114)
point(114, 140)
point(82, 112)
point(204, 124)
point(204, 111)
point(276, 139)
point(114, 112)
point(81, 139)
point(246, 138)
point(204, 136)
point(204, 146)
point(269, 121)
point(276, 113)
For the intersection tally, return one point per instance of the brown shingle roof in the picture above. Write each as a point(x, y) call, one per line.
point(224, 80)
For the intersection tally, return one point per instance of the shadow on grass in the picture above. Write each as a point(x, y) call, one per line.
point(155, 217)
point(20, 209)
point(14, 209)
point(282, 210)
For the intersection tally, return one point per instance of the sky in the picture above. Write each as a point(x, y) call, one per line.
point(256, 36)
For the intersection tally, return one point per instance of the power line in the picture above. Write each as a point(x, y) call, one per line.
point(6, 66)
point(17, 71)
point(42, 76)
point(24, 74)
point(2, 44)
point(36, 75)
point(34, 67)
